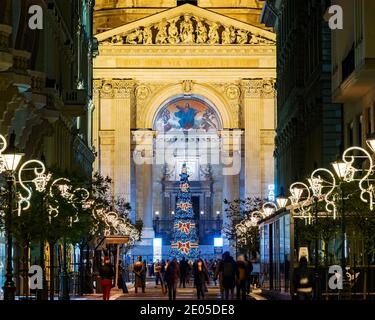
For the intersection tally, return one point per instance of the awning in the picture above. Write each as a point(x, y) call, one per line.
point(116, 239)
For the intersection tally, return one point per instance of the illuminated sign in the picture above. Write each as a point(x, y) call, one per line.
point(157, 249)
point(218, 242)
point(271, 192)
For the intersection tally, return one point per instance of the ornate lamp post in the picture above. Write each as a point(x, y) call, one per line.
point(11, 159)
point(317, 183)
point(340, 168)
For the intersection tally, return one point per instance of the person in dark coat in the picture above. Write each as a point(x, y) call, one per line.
point(201, 277)
point(145, 273)
point(303, 281)
point(162, 277)
point(183, 270)
point(241, 281)
point(139, 270)
point(249, 274)
point(172, 276)
point(106, 275)
point(229, 272)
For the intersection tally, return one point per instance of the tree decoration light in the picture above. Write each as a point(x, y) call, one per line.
point(117, 226)
point(185, 241)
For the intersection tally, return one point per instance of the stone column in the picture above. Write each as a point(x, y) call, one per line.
point(143, 158)
point(258, 108)
point(231, 158)
point(123, 94)
point(97, 84)
point(251, 101)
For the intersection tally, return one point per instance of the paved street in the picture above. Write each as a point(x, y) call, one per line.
point(153, 293)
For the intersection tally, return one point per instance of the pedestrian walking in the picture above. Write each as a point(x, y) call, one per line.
point(243, 273)
point(201, 277)
point(189, 271)
point(106, 275)
point(121, 277)
point(157, 268)
point(219, 276)
point(172, 275)
point(212, 271)
point(162, 277)
point(139, 270)
point(255, 274)
point(229, 271)
point(183, 270)
point(303, 281)
point(249, 280)
point(205, 283)
point(147, 268)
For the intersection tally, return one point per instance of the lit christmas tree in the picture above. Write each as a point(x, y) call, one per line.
point(185, 239)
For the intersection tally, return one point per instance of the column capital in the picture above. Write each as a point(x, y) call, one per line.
point(228, 133)
point(258, 88)
point(143, 135)
point(114, 88)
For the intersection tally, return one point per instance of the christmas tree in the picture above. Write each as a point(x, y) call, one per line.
point(185, 239)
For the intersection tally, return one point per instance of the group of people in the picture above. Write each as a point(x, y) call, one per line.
point(227, 272)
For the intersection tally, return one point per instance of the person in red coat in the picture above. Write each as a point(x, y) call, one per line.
point(106, 275)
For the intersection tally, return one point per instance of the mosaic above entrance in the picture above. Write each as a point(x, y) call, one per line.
point(184, 114)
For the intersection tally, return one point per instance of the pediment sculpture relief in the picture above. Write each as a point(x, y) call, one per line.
point(187, 29)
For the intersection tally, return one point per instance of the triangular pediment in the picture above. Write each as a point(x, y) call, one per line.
point(187, 25)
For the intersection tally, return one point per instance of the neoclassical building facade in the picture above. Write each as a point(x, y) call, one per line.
point(183, 84)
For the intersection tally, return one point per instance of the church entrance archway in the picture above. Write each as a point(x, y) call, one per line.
point(188, 131)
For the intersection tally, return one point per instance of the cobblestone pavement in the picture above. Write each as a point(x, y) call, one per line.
point(155, 293)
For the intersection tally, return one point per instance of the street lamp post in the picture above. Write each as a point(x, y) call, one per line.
point(317, 284)
point(65, 282)
point(9, 287)
point(11, 158)
point(340, 168)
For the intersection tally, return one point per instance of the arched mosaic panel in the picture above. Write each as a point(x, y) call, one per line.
point(185, 114)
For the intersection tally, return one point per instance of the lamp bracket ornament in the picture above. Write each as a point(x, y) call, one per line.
point(40, 181)
point(318, 184)
point(297, 191)
point(367, 188)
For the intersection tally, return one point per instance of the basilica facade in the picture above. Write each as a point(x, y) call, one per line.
point(183, 84)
